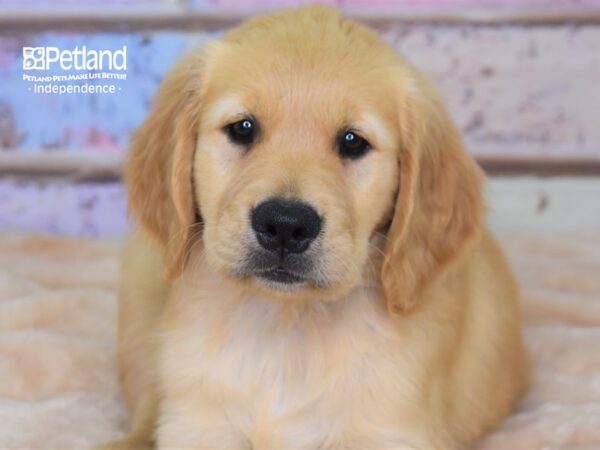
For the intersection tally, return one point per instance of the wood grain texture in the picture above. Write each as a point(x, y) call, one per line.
point(167, 17)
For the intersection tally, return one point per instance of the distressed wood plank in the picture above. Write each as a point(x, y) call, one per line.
point(173, 17)
point(82, 166)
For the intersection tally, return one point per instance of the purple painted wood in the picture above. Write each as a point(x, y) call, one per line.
point(80, 209)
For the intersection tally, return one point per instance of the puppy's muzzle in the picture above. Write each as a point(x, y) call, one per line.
point(285, 226)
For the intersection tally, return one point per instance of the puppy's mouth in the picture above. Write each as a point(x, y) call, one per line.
point(289, 273)
point(281, 275)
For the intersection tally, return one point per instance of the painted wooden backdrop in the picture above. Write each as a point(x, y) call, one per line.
point(514, 90)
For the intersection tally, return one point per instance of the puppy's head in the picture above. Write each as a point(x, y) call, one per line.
point(287, 145)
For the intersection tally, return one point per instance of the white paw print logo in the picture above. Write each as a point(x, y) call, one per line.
point(33, 58)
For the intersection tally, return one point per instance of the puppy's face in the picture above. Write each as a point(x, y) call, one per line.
point(295, 139)
point(294, 169)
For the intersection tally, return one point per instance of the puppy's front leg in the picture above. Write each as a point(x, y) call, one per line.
point(142, 296)
point(141, 436)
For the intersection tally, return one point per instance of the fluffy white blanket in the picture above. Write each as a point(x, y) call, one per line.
point(58, 385)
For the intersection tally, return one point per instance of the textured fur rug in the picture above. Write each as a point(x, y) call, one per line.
point(58, 385)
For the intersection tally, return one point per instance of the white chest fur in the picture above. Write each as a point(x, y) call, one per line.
point(245, 372)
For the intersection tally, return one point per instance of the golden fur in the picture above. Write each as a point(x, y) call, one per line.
point(413, 342)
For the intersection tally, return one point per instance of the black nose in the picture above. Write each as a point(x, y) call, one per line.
point(285, 226)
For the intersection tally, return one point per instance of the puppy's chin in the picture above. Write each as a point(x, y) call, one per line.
point(287, 287)
point(297, 292)
point(281, 289)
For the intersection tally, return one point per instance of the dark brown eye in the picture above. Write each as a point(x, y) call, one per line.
point(242, 132)
point(352, 146)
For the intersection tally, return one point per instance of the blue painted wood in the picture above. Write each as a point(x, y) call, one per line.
point(84, 122)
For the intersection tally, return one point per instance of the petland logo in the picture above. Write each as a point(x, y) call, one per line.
point(49, 70)
point(45, 58)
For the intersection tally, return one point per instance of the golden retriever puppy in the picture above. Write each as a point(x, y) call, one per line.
point(332, 283)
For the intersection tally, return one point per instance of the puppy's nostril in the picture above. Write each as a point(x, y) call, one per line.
point(271, 231)
point(298, 234)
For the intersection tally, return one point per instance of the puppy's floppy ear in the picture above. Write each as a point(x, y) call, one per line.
point(159, 170)
point(439, 209)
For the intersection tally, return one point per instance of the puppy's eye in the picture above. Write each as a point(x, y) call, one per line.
point(242, 132)
point(352, 146)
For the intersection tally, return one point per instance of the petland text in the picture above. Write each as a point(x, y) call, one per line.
point(79, 58)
